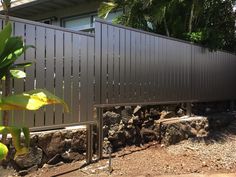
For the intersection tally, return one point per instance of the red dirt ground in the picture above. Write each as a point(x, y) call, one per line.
point(196, 158)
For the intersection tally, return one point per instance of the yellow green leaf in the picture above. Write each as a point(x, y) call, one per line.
point(3, 151)
point(17, 73)
point(31, 100)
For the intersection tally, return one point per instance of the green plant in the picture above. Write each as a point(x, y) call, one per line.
point(31, 100)
point(11, 48)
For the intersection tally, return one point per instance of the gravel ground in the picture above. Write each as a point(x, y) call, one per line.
point(187, 157)
point(220, 154)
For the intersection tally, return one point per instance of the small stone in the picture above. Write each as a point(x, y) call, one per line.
point(204, 164)
point(23, 172)
point(46, 165)
point(136, 109)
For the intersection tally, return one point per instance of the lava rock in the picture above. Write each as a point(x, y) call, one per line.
point(34, 157)
point(56, 145)
point(78, 143)
point(111, 118)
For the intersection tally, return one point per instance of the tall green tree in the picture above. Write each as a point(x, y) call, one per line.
point(208, 22)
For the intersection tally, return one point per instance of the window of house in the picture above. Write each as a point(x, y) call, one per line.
point(48, 21)
point(86, 23)
point(80, 23)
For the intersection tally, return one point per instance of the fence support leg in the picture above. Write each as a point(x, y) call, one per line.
point(189, 109)
point(100, 132)
point(232, 105)
point(89, 147)
point(160, 138)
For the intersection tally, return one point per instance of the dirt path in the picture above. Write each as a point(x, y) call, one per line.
point(197, 159)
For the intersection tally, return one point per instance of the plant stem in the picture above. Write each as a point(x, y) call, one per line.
point(5, 119)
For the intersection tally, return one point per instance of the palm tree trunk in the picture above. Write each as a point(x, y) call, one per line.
point(166, 27)
point(191, 16)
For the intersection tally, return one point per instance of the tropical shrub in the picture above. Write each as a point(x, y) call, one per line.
point(11, 48)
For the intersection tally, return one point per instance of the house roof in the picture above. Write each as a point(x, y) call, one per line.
point(16, 3)
point(29, 7)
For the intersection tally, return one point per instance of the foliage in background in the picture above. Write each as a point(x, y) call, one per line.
point(207, 22)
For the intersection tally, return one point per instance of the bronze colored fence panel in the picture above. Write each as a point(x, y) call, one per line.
point(64, 65)
point(116, 66)
point(138, 67)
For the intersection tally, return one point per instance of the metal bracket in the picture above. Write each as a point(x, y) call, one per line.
point(189, 109)
point(89, 138)
point(100, 132)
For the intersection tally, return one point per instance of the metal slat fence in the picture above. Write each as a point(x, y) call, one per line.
point(138, 67)
point(64, 65)
point(116, 66)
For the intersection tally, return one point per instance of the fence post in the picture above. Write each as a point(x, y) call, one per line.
point(189, 109)
point(100, 132)
point(89, 139)
point(232, 105)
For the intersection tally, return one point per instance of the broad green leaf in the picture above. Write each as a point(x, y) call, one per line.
point(3, 151)
point(22, 65)
point(4, 35)
point(31, 100)
point(18, 74)
point(105, 8)
point(13, 49)
point(12, 57)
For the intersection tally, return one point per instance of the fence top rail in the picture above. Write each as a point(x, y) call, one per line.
point(157, 35)
point(46, 26)
point(158, 103)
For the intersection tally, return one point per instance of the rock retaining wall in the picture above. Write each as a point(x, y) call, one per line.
point(51, 147)
point(123, 126)
point(135, 125)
